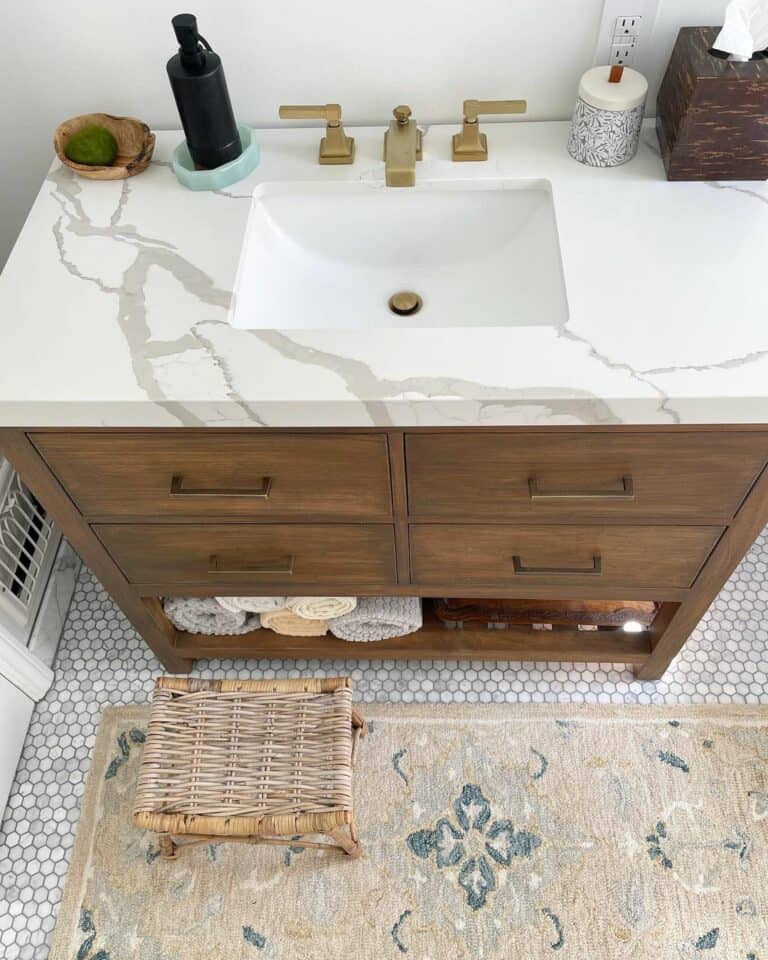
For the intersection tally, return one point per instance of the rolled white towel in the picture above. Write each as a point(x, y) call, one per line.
point(321, 608)
point(205, 615)
point(379, 618)
point(251, 604)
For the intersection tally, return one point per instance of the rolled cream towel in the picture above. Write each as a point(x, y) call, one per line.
point(290, 624)
point(205, 615)
point(321, 608)
point(379, 618)
point(251, 604)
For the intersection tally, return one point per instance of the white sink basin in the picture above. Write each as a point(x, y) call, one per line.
point(330, 256)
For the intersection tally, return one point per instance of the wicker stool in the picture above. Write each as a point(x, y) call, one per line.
point(252, 761)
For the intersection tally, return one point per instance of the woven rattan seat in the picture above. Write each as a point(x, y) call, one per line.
point(256, 761)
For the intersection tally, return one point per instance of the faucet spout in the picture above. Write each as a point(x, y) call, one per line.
point(402, 148)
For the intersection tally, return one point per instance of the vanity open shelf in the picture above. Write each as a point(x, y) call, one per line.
point(434, 642)
point(639, 513)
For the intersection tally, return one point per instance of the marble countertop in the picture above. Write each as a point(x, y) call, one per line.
point(114, 302)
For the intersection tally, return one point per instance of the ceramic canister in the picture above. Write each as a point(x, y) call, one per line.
point(605, 130)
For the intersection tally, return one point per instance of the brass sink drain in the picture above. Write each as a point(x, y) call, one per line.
point(405, 303)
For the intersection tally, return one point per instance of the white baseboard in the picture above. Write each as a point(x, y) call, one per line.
point(23, 669)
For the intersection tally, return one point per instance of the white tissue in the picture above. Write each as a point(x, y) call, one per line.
point(745, 29)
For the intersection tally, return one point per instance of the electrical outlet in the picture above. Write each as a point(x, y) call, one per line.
point(620, 29)
point(627, 27)
point(621, 54)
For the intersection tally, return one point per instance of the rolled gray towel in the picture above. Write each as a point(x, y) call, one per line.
point(378, 618)
point(205, 615)
point(251, 604)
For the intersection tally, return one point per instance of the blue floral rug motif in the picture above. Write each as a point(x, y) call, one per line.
point(451, 845)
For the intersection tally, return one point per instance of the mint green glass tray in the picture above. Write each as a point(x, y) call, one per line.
point(223, 176)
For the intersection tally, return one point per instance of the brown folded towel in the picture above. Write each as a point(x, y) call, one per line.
point(290, 624)
point(599, 613)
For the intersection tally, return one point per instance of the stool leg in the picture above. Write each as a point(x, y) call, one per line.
point(348, 841)
point(358, 722)
point(167, 846)
point(359, 730)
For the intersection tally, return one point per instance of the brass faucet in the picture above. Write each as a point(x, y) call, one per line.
point(470, 144)
point(402, 148)
point(336, 146)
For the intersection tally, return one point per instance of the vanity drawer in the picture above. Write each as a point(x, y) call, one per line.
point(556, 476)
point(256, 555)
point(234, 476)
point(640, 556)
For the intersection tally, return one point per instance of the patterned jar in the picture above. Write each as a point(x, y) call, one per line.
point(605, 130)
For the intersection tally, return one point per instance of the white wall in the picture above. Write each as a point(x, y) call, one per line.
point(672, 15)
point(68, 57)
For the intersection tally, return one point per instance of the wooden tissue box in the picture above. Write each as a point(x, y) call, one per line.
point(711, 113)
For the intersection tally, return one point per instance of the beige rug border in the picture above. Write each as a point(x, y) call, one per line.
point(77, 871)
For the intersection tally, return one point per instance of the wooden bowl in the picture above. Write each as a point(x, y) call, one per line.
point(135, 143)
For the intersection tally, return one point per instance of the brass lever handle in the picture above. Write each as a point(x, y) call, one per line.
point(595, 570)
point(627, 492)
point(470, 144)
point(281, 566)
point(330, 112)
point(336, 146)
point(258, 493)
point(483, 108)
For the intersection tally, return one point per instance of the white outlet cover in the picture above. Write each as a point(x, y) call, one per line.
point(628, 28)
point(622, 54)
point(615, 10)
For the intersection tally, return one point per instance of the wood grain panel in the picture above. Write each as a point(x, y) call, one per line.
point(675, 476)
point(338, 554)
point(513, 589)
point(130, 475)
point(637, 556)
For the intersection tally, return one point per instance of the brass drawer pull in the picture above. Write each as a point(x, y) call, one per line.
point(258, 493)
point(595, 570)
point(627, 492)
point(281, 566)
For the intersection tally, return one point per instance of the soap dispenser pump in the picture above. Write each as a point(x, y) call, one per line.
point(200, 90)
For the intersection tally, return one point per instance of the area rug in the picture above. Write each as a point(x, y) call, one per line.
point(512, 831)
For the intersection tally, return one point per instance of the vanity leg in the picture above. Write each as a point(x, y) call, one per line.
point(145, 615)
point(675, 622)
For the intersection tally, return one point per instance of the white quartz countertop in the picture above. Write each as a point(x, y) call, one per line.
point(114, 302)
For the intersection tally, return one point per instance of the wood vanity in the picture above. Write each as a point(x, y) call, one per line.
point(630, 512)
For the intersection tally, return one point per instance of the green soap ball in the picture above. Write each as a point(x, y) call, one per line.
point(94, 146)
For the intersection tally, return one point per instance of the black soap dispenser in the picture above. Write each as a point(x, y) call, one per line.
point(200, 90)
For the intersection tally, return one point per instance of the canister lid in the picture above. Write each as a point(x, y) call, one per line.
point(628, 93)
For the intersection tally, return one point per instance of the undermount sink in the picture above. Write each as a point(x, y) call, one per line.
point(334, 255)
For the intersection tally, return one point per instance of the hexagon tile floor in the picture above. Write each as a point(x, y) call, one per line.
point(101, 661)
